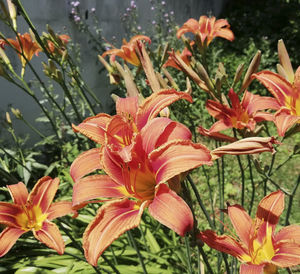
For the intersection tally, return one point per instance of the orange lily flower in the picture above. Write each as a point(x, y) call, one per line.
point(24, 44)
point(185, 55)
point(259, 248)
point(207, 29)
point(33, 212)
point(64, 40)
point(130, 118)
point(287, 95)
point(127, 51)
point(240, 115)
point(141, 156)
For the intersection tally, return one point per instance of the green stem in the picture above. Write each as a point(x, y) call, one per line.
point(290, 203)
point(243, 179)
point(129, 233)
point(210, 195)
point(205, 259)
point(188, 254)
point(252, 184)
point(33, 128)
point(201, 204)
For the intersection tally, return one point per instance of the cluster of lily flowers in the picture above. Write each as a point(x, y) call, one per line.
point(145, 155)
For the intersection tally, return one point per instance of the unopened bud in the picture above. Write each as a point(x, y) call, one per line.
point(17, 113)
point(8, 120)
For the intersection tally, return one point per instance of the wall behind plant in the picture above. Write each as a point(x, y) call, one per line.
point(56, 13)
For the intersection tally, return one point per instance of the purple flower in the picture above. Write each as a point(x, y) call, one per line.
point(128, 9)
point(167, 20)
point(166, 15)
point(153, 22)
point(172, 12)
point(139, 27)
point(75, 3)
point(163, 3)
point(132, 4)
point(93, 9)
point(152, 8)
point(76, 18)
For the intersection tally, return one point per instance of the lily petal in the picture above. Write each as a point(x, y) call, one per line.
point(50, 236)
point(8, 238)
point(241, 222)
point(111, 221)
point(161, 130)
point(18, 193)
point(289, 233)
point(287, 254)
point(284, 120)
point(216, 135)
point(277, 85)
point(127, 106)
point(94, 127)
point(152, 105)
point(251, 269)
point(171, 210)
point(270, 208)
point(8, 213)
point(254, 103)
point(43, 192)
point(95, 187)
point(176, 157)
point(60, 209)
point(85, 163)
point(224, 243)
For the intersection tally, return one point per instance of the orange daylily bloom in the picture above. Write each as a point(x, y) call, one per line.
point(24, 44)
point(207, 29)
point(127, 51)
point(185, 55)
point(240, 115)
point(33, 212)
point(141, 155)
point(259, 247)
point(64, 40)
point(287, 95)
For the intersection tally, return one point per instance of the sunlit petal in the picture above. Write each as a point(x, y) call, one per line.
point(111, 221)
point(152, 105)
point(94, 127)
point(50, 236)
point(216, 135)
point(96, 187)
point(224, 243)
point(241, 222)
point(284, 120)
point(125, 106)
point(176, 157)
point(43, 192)
point(161, 130)
point(18, 193)
point(8, 212)
point(277, 85)
point(284, 234)
point(171, 210)
point(60, 209)
point(251, 269)
point(271, 207)
point(85, 163)
point(8, 238)
point(287, 254)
